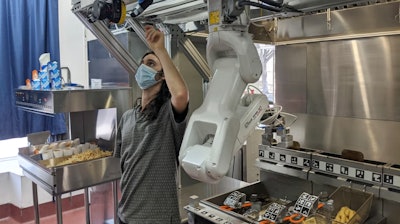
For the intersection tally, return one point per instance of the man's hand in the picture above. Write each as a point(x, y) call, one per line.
point(155, 38)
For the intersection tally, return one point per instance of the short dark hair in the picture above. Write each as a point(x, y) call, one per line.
point(147, 53)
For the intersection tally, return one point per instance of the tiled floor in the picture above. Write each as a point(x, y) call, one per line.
point(75, 216)
point(74, 212)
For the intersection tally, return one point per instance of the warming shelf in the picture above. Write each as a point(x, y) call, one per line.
point(77, 100)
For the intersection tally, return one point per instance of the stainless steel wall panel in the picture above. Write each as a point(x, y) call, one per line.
point(291, 77)
point(378, 140)
point(349, 95)
point(354, 78)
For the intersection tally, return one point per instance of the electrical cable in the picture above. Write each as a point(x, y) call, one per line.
point(255, 87)
point(290, 115)
point(276, 110)
point(263, 6)
point(233, 167)
point(278, 122)
point(120, 29)
point(251, 22)
point(272, 3)
point(282, 6)
point(257, 25)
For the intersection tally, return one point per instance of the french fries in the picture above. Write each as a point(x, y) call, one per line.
point(311, 220)
point(85, 156)
point(345, 214)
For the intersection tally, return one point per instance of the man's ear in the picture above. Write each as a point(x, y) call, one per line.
point(160, 75)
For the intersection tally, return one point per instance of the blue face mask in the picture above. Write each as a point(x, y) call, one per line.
point(146, 76)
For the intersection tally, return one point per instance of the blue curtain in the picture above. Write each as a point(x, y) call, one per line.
point(28, 29)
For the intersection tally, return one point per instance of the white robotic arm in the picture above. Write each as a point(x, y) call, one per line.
point(219, 127)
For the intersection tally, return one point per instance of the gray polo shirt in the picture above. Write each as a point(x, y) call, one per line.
point(148, 152)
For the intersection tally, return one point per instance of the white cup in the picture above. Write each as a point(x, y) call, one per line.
point(53, 145)
point(93, 146)
point(85, 147)
point(44, 148)
point(58, 153)
point(47, 155)
point(68, 151)
point(76, 142)
point(78, 149)
point(62, 145)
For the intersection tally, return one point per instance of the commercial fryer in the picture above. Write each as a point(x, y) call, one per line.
point(287, 173)
point(212, 210)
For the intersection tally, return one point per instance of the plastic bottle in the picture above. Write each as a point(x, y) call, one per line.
point(323, 197)
point(327, 211)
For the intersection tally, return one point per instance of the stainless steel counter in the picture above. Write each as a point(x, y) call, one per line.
point(63, 179)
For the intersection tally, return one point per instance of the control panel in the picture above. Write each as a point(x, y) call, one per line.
point(391, 177)
point(213, 215)
point(319, 162)
point(35, 100)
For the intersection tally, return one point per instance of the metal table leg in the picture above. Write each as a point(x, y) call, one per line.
point(59, 209)
point(35, 203)
point(87, 205)
point(115, 196)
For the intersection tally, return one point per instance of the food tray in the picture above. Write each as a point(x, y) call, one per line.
point(57, 180)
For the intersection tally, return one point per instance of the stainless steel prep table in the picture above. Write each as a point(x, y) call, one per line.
point(63, 179)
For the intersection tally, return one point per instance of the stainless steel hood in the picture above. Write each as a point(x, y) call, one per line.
point(169, 11)
point(184, 11)
point(298, 21)
point(295, 19)
point(313, 5)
